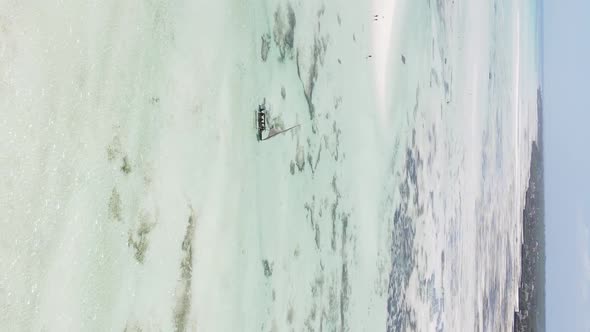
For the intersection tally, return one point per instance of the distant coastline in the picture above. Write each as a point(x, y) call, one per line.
point(531, 314)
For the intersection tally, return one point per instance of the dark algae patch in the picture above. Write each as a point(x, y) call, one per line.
point(299, 159)
point(290, 314)
point(115, 205)
point(184, 287)
point(308, 81)
point(138, 241)
point(267, 268)
point(114, 149)
point(401, 315)
point(265, 46)
point(284, 31)
point(126, 166)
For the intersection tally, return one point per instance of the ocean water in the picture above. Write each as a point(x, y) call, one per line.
point(134, 194)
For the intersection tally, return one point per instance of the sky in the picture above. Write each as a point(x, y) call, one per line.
point(567, 163)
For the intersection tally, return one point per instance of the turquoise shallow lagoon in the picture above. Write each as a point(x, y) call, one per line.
point(135, 196)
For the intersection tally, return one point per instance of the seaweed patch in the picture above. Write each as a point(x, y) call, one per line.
point(184, 287)
point(265, 46)
point(138, 240)
point(284, 31)
point(115, 205)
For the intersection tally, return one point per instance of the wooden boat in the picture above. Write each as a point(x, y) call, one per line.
point(263, 129)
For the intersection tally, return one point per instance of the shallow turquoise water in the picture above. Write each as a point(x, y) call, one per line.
point(135, 195)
